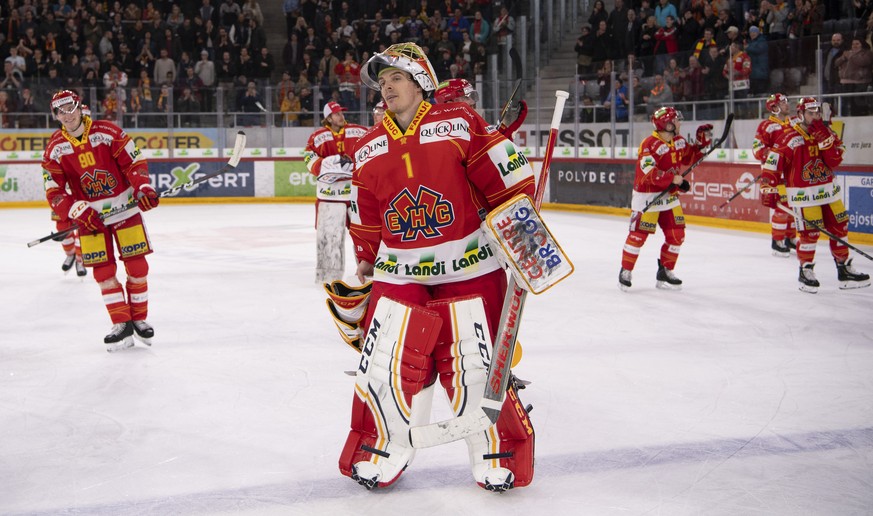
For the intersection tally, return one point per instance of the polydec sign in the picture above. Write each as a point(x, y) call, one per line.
point(239, 182)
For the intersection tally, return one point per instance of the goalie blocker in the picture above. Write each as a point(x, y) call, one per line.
point(525, 245)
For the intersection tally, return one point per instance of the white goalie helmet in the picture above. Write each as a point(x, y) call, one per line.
point(408, 57)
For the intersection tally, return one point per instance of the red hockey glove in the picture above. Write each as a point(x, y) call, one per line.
point(86, 217)
point(822, 134)
point(770, 196)
point(509, 130)
point(704, 135)
point(147, 197)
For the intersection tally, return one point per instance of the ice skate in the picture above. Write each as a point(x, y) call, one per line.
point(666, 279)
point(119, 337)
point(68, 263)
point(791, 244)
point(849, 278)
point(780, 248)
point(80, 267)
point(624, 279)
point(806, 279)
point(143, 332)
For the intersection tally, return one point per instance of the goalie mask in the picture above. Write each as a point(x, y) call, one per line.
point(407, 57)
point(66, 102)
point(774, 104)
point(456, 90)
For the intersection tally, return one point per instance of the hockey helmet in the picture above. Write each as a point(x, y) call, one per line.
point(807, 104)
point(774, 102)
point(65, 101)
point(453, 90)
point(407, 57)
point(666, 115)
point(86, 111)
point(380, 107)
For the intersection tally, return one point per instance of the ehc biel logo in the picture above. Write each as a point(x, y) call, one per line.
point(423, 214)
point(97, 182)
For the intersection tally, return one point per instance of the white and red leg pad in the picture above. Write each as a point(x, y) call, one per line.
point(390, 395)
point(502, 456)
point(330, 238)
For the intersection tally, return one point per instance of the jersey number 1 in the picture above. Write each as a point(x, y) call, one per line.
point(408, 161)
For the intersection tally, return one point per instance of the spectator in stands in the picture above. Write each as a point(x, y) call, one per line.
point(6, 106)
point(617, 26)
point(504, 25)
point(716, 84)
point(251, 104)
point(756, 47)
point(291, 8)
point(666, 43)
point(777, 16)
point(480, 29)
point(689, 31)
point(646, 48)
point(604, 45)
point(188, 103)
point(228, 13)
point(292, 53)
point(175, 18)
point(132, 12)
point(855, 67)
point(598, 14)
point(263, 67)
point(245, 66)
point(116, 79)
point(663, 10)
point(701, 46)
point(673, 78)
point(457, 25)
point(290, 109)
point(29, 113)
point(112, 106)
point(738, 70)
point(348, 74)
point(327, 65)
point(72, 73)
point(692, 81)
point(618, 97)
point(631, 30)
point(584, 51)
point(831, 71)
point(252, 9)
point(660, 95)
point(306, 106)
point(163, 65)
point(12, 77)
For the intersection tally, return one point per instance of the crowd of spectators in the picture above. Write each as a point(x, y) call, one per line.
point(693, 50)
point(152, 56)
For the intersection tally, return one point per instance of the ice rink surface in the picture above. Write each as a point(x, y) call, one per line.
point(737, 395)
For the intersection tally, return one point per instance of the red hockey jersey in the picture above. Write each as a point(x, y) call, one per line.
point(657, 162)
point(807, 169)
point(324, 142)
point(419, 196)
point(103, 167)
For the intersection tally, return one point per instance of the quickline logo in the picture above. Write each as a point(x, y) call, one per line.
point(7, 184)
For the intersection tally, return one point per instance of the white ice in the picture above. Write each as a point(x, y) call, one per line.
point(737, 395)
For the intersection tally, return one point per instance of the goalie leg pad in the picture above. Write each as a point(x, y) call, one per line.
point(396, 365)
point(502, 456)
point(522, 242)
point(330, 237)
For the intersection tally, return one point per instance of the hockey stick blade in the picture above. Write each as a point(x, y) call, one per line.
point(238, 148)
point(826, 232)
point(714, 145)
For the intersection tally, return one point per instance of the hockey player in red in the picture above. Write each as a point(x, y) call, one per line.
point(806, 156)
point(328, 150)
point(104, 170)
point(460, 90)
point(782, 226)
point(379, 112)
point(660, 158)
point(423, 182)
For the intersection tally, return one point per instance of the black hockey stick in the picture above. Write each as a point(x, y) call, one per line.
point(716, 144)
point(238, 147)
point(479, 418)
point(826, 232)
point(516, 64)
point(734, 196)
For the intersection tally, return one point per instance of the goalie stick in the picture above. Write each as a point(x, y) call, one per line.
point(238, 147)
point(716, 144)
point(481, 417)
point(743, 189)
point(823, 230)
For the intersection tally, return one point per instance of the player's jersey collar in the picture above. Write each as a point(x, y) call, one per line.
point(395, 132)
point(86, 121)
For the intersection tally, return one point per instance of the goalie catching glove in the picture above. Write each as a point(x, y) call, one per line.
point(347, 305)
point(524, 245)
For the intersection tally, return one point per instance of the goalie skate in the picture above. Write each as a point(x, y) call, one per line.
point(119, 337)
